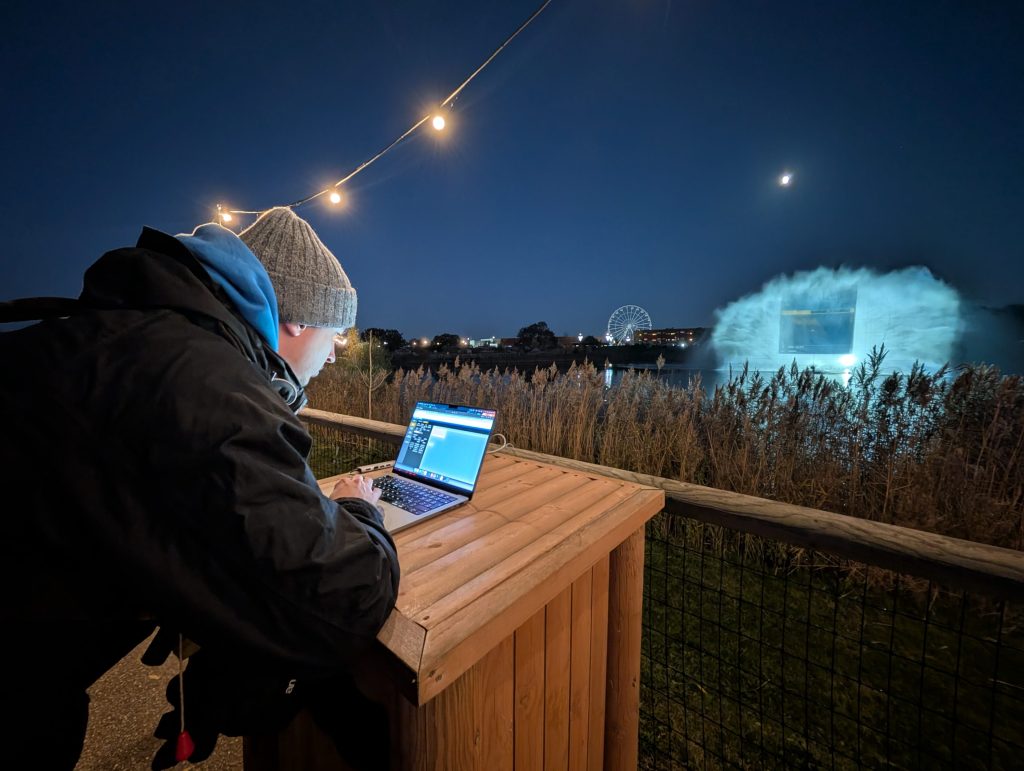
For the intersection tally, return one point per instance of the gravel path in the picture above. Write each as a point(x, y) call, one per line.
point(127, 703)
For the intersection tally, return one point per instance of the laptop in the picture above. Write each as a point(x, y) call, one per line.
point(438, 464)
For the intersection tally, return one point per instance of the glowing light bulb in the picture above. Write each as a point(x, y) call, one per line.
point(225, 216)
point(334, 197)
point(438, 122)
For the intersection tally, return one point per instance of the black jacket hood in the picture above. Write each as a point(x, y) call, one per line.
point(161, 273)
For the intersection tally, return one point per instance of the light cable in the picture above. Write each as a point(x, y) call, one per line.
point(448, 101)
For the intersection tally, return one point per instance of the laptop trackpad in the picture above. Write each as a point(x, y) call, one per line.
point(394, 517)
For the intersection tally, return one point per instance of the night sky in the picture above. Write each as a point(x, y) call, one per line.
point(616, 152)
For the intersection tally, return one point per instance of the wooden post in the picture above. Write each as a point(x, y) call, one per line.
point(625, 607)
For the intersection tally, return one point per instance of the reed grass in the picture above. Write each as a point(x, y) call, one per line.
point(935, 451)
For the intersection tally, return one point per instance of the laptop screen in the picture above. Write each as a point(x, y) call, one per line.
point(446, 443)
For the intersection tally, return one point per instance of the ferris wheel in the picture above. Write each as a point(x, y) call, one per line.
point(624, 322)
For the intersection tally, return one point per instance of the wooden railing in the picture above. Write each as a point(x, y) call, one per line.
point(990, 570)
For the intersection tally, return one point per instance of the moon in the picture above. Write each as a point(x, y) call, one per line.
point(786, 179)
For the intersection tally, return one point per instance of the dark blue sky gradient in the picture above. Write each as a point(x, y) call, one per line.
point(616, 152)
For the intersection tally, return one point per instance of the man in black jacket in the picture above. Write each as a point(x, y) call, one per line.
point(151, 442)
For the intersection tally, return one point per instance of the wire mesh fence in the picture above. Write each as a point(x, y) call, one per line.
point(760, 655)
point(335, 451)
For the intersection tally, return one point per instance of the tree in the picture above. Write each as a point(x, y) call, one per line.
point(536, 336)
point(591, 340)
point(370, 360)
point(391, 338)
point(445, 341)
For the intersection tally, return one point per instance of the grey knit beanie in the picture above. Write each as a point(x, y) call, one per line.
point(311, 287)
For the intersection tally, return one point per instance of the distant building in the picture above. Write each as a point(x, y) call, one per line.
point(561, 341)
point(485, 342)
point(671, 336)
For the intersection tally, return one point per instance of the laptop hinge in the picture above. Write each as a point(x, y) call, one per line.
point(432, 483)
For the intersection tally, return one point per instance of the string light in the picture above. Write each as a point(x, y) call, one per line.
point(437, 121)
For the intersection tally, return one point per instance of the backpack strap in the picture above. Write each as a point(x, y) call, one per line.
point(33, 308)
point(37, 308)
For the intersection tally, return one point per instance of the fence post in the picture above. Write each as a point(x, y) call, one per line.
point(625, 608)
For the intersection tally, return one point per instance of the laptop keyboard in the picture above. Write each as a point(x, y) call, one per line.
point(414, 498)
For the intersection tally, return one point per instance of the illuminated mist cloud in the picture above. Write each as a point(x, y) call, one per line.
point(831, 318)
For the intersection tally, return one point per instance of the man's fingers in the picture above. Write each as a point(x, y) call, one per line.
point(370, 493)
point(356, 486)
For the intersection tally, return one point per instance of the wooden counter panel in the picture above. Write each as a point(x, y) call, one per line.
point(579, 671)
point(472, 576)
point(529, 563)
point(529, 692)
point(480, 565)
point(453, 645)
point(558, 658)
point(625, 609)
point(598, 663)
point(474, 523)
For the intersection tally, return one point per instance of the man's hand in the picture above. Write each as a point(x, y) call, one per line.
point(356, 486)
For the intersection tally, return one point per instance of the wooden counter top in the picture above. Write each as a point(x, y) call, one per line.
point(473, 575)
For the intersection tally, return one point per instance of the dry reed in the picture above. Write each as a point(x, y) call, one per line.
point(938, 452)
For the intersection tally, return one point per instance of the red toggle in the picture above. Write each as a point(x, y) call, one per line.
point(185, 747)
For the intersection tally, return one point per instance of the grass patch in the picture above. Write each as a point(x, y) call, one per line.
point(756, 663)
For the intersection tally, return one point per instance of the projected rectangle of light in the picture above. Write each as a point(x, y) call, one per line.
point(821, 323)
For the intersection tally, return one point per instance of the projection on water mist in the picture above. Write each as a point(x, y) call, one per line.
point(830, 319)
point(818, 323)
